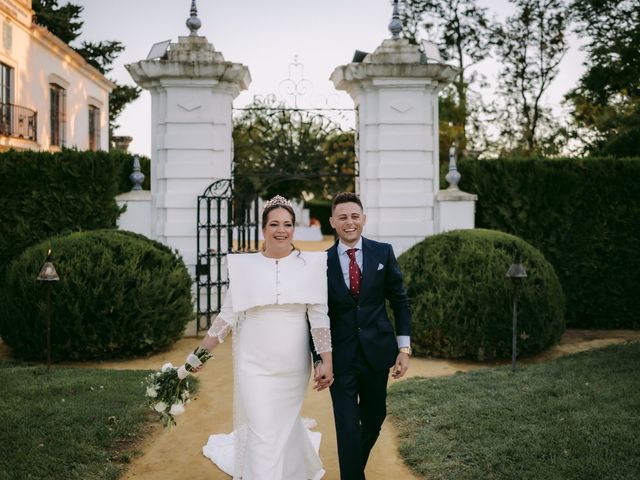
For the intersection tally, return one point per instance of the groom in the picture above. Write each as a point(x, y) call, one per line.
point(362, 275)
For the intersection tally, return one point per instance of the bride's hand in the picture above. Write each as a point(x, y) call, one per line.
point(197, 369)
point(323, 376)
point(193, 364)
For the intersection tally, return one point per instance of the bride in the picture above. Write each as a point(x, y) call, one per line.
point(271, 295)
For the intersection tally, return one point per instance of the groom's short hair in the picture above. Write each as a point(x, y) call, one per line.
point(346, 197)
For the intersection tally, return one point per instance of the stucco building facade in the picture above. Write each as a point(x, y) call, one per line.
point(50, 97)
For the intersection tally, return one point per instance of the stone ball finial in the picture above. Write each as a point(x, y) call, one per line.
point(193, 22)
point(395, 27)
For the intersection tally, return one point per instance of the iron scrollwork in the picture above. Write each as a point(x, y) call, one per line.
point(227, 223)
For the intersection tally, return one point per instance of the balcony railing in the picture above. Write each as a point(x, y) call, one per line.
point(18, 122)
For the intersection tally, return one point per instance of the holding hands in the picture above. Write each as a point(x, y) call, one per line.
point(322, 375)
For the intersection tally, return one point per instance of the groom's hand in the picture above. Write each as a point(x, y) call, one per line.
point(401, 366)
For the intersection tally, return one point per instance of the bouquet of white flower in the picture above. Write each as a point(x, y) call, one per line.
point(168, 390)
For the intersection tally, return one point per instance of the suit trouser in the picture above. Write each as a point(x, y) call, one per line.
point(359, 397)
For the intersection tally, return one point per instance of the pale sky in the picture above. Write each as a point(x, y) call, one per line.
point(264, 35)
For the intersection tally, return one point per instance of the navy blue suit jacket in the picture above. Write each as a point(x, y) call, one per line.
point(365, 321)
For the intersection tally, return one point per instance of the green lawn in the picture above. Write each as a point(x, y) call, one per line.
point(70, 424)
point(577, 417)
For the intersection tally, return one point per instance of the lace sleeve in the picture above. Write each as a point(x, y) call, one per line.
point(220, 329)
point(225, 320)
point(320, 331)
point(321, 339)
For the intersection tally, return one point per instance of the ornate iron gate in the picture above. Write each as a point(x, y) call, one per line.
point(228, 216)
point(277, 149)
point(226, 224)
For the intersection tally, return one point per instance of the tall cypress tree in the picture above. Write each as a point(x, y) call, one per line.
point(63, 21)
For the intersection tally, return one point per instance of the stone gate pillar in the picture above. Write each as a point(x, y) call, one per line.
point(192, 91)
point(395, 90)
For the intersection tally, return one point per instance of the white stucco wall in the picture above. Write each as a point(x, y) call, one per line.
point(137, 217)
point(38, 58)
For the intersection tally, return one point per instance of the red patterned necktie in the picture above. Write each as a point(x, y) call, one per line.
point(355, 275)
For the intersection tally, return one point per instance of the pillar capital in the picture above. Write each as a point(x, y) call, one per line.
point(192, 57)
point(393, 59)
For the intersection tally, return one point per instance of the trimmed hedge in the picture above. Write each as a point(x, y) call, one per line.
point(119, 295)
point(583, 215)
point(46, 194)
point(461, 297)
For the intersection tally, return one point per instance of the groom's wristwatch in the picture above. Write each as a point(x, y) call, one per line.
point(406, 350)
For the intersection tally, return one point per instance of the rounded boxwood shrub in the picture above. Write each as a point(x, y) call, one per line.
point(461, 296)
point(119, 295)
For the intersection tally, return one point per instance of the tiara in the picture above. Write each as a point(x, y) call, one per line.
point(277, 201)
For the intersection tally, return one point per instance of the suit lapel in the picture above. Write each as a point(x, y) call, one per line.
point(369, 265)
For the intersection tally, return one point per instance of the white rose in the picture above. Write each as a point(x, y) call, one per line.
point(166, 367)
point(177, 409)
point(182, 372)
point(152, 392)
point(160, 407)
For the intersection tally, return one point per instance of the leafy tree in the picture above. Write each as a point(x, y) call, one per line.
point(290, 152)
point(64, 22)
point(530, 45)
point(451, 127)
point(462, 30)
point(606, 102)
point(339, 149)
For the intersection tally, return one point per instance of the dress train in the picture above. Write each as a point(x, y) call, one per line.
point(220, 448)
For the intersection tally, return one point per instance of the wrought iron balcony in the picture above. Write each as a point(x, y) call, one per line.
point(18, 122)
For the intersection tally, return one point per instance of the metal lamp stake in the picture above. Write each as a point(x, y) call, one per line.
point(49, 275)
point(517, 274)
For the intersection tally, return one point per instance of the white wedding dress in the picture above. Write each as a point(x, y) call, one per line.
point(272, 365)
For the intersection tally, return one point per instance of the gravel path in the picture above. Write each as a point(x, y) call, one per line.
point(176, 454)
